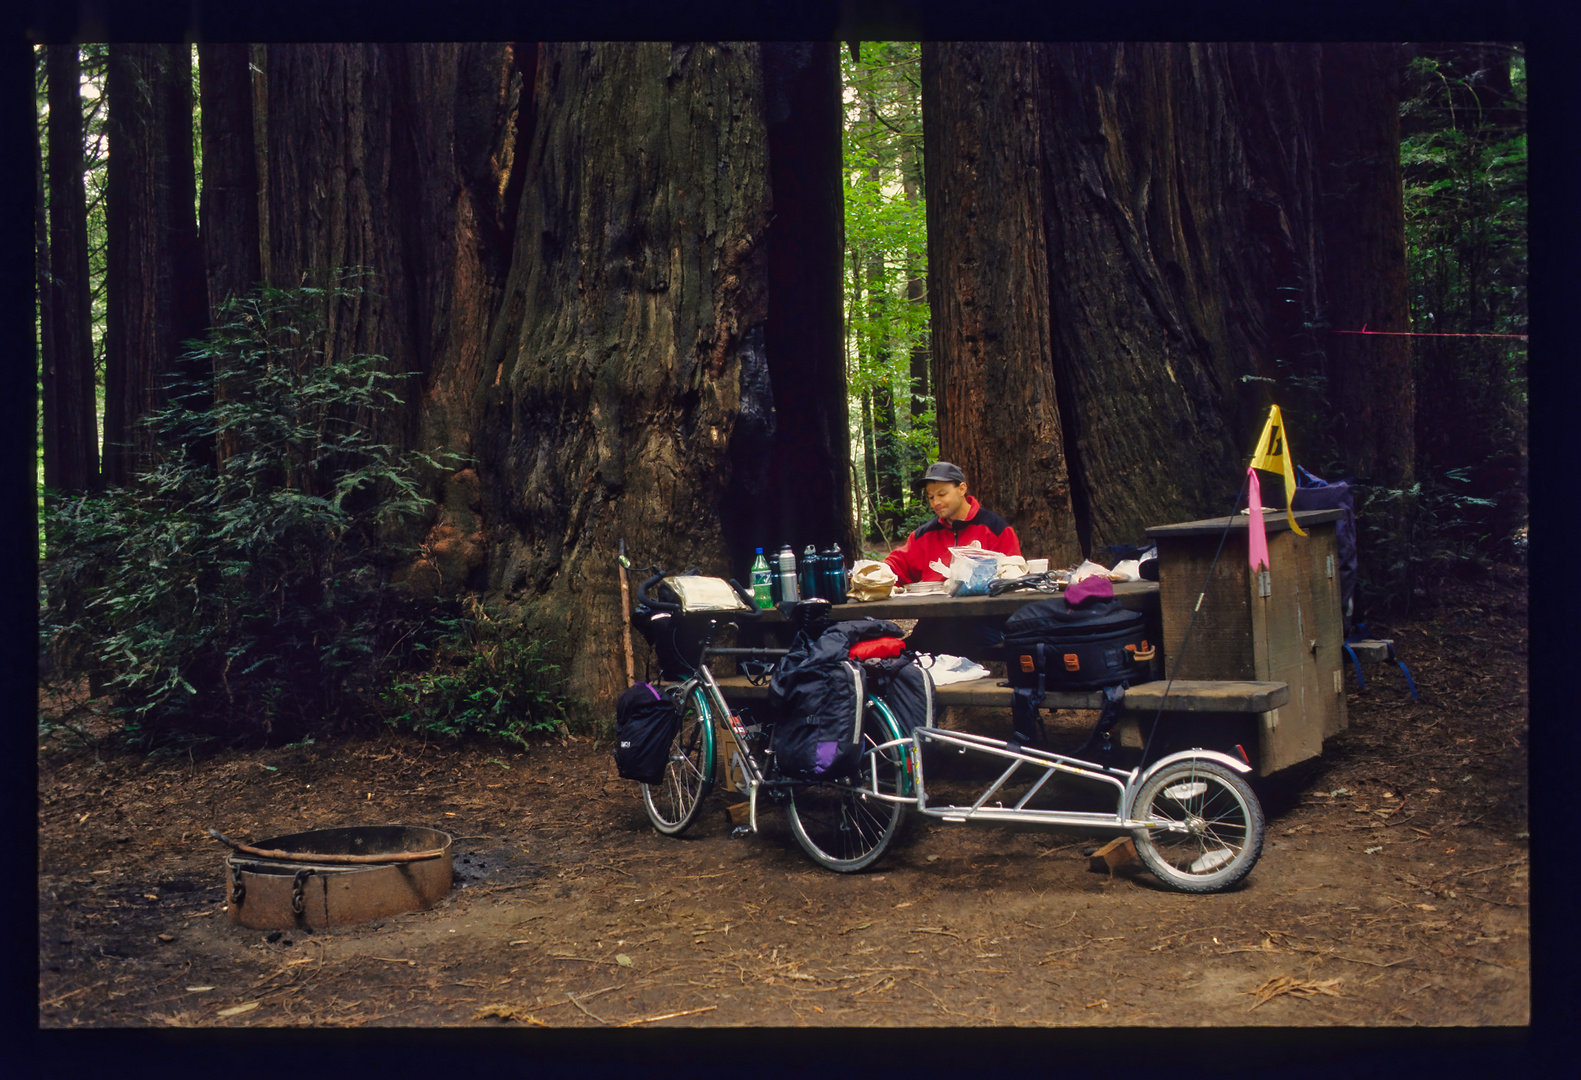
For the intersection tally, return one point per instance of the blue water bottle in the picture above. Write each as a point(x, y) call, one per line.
point(833, 568)
point(807, 576)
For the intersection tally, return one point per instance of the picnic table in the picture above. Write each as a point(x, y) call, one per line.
point(1263, 671)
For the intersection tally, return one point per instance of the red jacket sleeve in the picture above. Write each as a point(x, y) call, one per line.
point(901, 561)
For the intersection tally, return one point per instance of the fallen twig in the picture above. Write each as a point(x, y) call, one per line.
point(579, 1005)
point(667, 1016)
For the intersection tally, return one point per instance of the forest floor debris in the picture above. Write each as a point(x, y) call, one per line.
point(571, 911)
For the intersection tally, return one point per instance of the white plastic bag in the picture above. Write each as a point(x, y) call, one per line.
point(971, 571)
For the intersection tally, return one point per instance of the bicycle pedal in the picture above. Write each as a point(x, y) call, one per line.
point(740, 831)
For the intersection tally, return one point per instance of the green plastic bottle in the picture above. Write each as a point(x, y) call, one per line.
point(761, 590)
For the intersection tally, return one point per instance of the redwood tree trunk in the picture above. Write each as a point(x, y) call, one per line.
point(399, 159)
point(630, 334)
point(1182, 261)
point(989, 290)
point(156, 291)
point(790, 459)
point(1369, 378)
point(228, 212)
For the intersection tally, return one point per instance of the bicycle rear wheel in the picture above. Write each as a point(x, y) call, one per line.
point(674, 803)
point(841, 826)
point(1223, 820)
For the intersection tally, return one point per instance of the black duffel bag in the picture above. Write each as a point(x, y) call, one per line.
point(645, 725)
point(1050, 645)
point(1056, 647)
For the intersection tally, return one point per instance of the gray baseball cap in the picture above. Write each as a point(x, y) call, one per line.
point(943, 470)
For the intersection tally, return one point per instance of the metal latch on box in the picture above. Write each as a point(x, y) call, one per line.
point(1265, 586)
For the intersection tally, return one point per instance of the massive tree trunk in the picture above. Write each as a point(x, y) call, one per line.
point(156, 287)
point(1178, 228)
point(630, 343)
point(1369, 378)
point(398, 159)
point(988, 286)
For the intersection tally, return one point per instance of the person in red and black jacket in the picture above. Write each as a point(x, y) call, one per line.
point(959, 519)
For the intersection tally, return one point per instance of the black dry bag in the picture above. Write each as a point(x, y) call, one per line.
point(645, 724)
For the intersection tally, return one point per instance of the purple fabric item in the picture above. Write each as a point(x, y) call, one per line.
point(826, 753)
point(1096, 587)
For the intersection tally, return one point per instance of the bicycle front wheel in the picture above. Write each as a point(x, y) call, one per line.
point(674, 803)
point(1223, 826)
point(841, 826)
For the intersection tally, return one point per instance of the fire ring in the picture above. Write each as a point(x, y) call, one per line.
point(332, 877)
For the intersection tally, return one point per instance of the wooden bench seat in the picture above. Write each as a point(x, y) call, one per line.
point(1215, 696)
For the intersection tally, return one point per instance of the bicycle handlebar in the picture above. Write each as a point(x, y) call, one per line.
point(752, 612)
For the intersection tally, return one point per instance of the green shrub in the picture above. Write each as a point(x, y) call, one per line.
point(247, 597)
point(487, 678)
point(1410, 538)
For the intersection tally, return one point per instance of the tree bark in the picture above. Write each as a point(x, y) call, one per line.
point(630, 336)
point(156, 291)
point(1177, 227)
point(49, 446)
point(400, 160)
point(989, 291)
point(228, 209)
point(790, 454)
point(1369, 378)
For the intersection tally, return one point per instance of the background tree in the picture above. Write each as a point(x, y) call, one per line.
point(157, 297)
point(71, 435)
point(790, 472)
point(400, 160)
point(989, 288)
point(887, 337)
point(1371, 391)
point(1464, 158)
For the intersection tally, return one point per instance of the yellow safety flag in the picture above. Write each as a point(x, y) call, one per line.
point(1273, 455)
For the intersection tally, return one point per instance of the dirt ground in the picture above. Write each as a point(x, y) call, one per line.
point(1392, 891)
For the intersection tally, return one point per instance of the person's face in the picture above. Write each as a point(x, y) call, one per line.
point(947, 500)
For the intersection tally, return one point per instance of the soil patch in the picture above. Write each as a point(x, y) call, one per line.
point(1392, 889)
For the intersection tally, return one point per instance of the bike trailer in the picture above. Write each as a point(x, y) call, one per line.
point(817, 695)
point(645, 723)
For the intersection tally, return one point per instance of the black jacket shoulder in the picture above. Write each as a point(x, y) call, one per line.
point(990, 521)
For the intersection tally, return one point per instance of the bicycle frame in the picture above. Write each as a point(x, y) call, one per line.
point(1126, 783)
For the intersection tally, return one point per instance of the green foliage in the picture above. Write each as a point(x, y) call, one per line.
point(249, 597)
point(488, 677)
point(1463, 152)
point(894, 429)
point(1414, 536)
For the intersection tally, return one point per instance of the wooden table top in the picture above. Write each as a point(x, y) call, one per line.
point(1133, 595)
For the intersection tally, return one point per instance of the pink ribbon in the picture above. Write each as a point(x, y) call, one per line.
point(1256, 538)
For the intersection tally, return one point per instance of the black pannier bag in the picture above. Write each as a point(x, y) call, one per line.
point(645, 725)
point(905, 686)
point(1052, 646)
point(816, 696)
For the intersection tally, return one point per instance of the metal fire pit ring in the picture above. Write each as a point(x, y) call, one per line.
point(265, 892)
